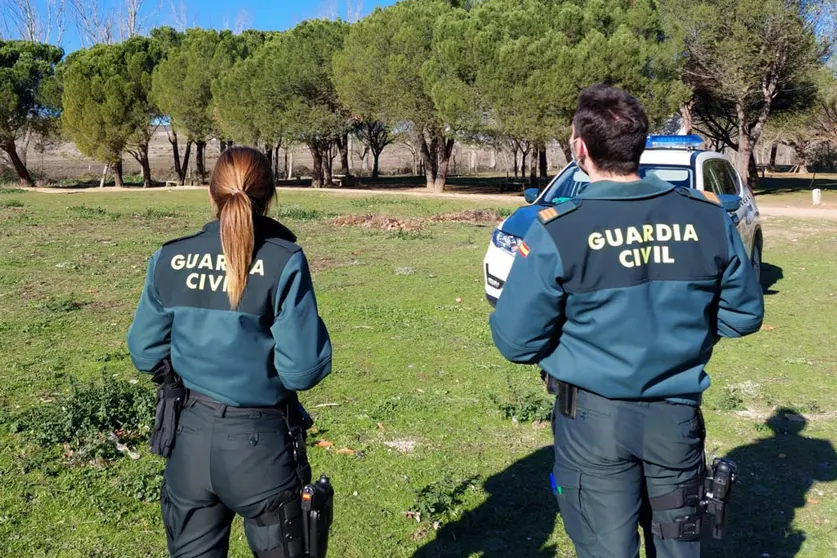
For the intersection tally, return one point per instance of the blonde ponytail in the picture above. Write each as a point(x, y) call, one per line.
point(237, 241)
point(241, 186)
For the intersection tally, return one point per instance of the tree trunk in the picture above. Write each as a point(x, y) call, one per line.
point(375, 158)
point(533, 168)
point(492, 161)
point(200, 161)
point(185, 168)
point(774, 149)
point(316, 167)
point(104, 176)
point(223, 145)
point(117, 173)
point(686, 115)
point(268, 152)
point(343, 145)
point(514, 161)
point(328, 166)
point(20, 168)
point(175, 153)
point(542, 163)
point(146, 171)
point(276, 175)
point(289, 164)
point(523, 156)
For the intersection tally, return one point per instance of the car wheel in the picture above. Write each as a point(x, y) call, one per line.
point(756, 260)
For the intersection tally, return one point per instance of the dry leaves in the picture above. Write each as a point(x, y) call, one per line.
point(768, 328)
point(324, 444)
point(346, 451)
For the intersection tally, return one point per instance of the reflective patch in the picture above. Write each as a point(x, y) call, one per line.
point(547, 214)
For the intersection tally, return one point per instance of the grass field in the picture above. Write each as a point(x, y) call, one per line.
point(436, 421)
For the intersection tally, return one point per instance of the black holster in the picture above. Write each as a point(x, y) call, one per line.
point(567, 394)
point(171, 394)
point(298, 421)
point(317, 516)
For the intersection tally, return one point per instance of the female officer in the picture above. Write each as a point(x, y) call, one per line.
point(233, 307)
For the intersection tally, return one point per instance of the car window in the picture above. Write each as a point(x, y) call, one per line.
point(729, 183)
point(711, 180)
point(567, 184)
point(719, 177)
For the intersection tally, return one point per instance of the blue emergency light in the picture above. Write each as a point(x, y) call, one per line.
point(691, 141)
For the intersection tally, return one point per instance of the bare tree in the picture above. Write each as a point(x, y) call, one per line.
point(354, 9)
point(26, 20)
point(94, 22)
point(178, 12)
point(132, 23)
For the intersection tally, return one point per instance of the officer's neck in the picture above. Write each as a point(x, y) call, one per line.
point(598, 176)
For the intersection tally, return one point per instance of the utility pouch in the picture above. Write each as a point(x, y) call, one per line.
point(171, 394)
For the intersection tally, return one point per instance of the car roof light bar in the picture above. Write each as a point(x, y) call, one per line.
point(691, 141)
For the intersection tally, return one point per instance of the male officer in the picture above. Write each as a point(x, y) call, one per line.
point(620, 295)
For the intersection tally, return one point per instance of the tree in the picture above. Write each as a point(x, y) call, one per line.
point(743, 56)
point(375, 136)
point(528, 59)
point(388, 71)
point(29, 98)
point(107, 106)
point(303, 104)
point(34, 22)
point(182, 84)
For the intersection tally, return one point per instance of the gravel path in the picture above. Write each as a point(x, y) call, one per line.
point(767, 209)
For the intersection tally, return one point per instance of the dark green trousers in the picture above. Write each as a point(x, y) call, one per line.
point(603, 459)
point(226, 461)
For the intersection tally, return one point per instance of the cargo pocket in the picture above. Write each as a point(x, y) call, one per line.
point(570, 502)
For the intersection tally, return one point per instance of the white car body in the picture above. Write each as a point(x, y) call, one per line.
point(708, 170)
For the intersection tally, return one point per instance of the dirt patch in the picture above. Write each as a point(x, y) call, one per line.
point(322, 264)
point(478, 216)
point(379, 222)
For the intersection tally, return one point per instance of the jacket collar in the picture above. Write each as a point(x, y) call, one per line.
point(265, 227)
point(648, 187)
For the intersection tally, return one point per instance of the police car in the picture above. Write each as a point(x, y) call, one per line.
point(674, 159)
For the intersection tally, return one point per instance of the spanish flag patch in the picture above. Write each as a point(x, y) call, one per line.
point(523, 249)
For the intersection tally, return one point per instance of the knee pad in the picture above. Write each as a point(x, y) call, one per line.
point(278, 532)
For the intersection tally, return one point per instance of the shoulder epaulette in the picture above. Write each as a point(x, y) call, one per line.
point(701, 195)
point(563, 208)
point(188, 236)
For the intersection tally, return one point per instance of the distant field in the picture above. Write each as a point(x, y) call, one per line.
point(436, 421)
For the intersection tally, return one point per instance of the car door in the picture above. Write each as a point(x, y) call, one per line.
point(719, 178)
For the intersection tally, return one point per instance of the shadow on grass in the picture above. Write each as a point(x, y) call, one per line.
point(517, 519)
point(93, 183)
point(774, 477)
point(770, 275)
point(789, 184)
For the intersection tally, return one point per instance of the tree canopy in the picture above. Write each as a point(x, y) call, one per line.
point(29, 95)
point(106, 100)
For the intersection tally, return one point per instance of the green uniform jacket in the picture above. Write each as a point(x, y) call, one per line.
point(273, 343)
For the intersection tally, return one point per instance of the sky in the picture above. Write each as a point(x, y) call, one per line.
point(218, 14)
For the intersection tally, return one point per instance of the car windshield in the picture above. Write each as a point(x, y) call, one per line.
point(566, 185)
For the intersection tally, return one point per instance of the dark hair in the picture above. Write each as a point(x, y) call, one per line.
point(241, 185)
point(614, 127)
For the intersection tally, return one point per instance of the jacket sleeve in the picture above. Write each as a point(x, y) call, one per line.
point(302, 356)
point(149, 337)
point(741, 301)
point(530, 310)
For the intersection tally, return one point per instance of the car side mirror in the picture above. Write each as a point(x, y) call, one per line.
point(531, 194)
point(730, 202)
